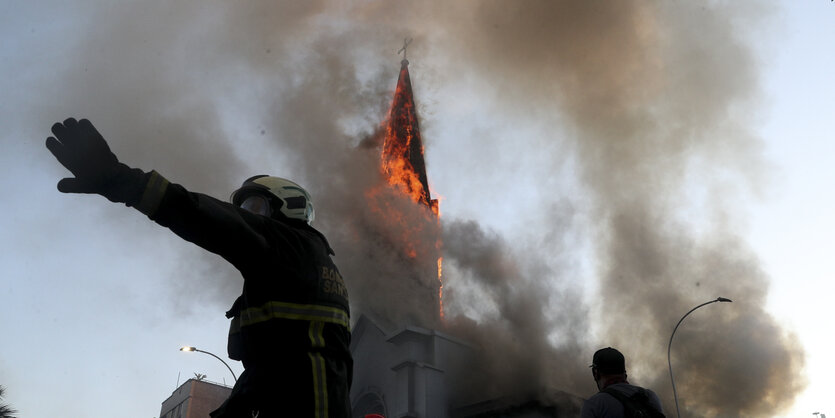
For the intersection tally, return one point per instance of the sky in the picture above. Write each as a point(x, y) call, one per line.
point(602, 168)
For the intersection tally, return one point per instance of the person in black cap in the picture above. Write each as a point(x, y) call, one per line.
point(617, 396)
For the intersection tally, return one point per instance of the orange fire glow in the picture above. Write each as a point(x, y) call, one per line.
point(402, 162)
point(402, 156)
point(441, 287)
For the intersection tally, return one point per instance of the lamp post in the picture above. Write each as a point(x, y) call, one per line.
point(190, 348)
point(669, 363)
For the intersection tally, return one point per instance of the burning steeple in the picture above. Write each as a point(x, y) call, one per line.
point(402, 229)
point(405, 364)
point(403, 160)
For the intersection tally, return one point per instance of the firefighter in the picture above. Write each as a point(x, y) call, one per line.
point(290, 325)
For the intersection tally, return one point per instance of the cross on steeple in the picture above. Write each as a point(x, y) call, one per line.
point(406, 42)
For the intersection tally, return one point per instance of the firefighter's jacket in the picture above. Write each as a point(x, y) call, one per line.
point(294, 305)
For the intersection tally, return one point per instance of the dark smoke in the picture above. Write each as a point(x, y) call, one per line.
point(652, 103)
point(519, 307)
point(654, 90)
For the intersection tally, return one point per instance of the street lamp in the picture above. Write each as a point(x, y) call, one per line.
point(190, 348)
point(669, 363)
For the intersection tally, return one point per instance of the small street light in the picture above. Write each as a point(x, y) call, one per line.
point(669, 363)
point(190, 348)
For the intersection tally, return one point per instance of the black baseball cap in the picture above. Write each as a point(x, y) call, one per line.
point(608, 361)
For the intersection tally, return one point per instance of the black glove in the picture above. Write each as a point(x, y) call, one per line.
point(81, 149)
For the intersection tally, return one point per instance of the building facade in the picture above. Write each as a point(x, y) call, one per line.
point(408, 370)
point(194, 399)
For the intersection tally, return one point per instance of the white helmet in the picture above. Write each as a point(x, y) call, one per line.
point(273, 197)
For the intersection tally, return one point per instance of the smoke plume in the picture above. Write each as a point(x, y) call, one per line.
point(649, 101)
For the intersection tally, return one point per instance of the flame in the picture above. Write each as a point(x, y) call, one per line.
point(441, 286)
point(402, 159)
point(399, 171)
point(402, 164)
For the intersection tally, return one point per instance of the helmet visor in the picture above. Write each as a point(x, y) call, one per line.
point(256, 204)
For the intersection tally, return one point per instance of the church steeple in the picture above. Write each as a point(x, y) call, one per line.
point(402, 148)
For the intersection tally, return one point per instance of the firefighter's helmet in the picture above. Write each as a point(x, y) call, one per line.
point(274, 197)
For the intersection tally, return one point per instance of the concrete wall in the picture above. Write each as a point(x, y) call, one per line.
point(194, 399)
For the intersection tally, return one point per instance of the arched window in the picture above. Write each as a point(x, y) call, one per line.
point(369, 403)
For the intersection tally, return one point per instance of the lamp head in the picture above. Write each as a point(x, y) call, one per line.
point(721, 299)
point(187, 348)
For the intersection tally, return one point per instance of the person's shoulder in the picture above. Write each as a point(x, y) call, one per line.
point(600, 404)
point(598, 396)
point(303, 230)
point(631, 390)
point(287, 227)
point(625, 388)
point(655, 400)
point(650, 392)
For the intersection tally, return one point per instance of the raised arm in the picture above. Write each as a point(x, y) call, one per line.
point(212, 224)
